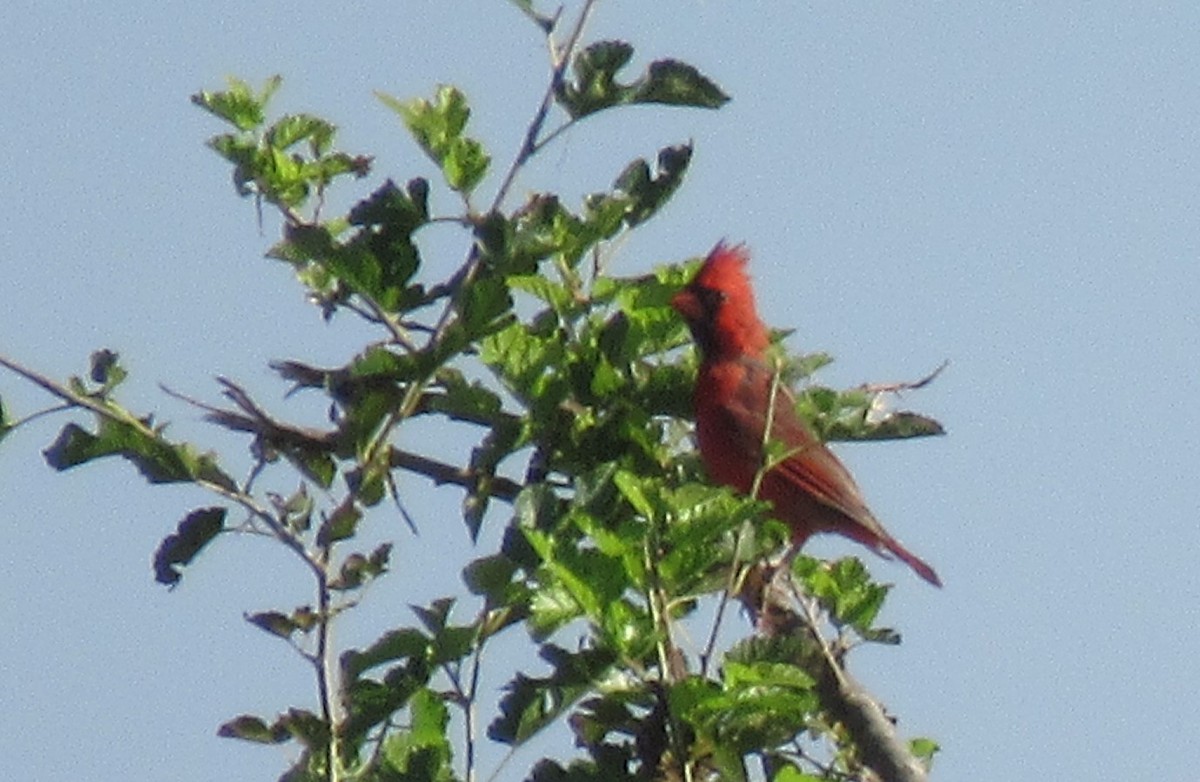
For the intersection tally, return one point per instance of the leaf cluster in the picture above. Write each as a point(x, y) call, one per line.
point(574, 385)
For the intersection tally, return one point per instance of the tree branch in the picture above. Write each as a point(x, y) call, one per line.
point(845, 700)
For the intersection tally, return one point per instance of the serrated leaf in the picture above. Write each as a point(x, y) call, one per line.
point(157, 459)
point(435, 616)
point(532, 703)
point(647, 191)
point(194, 532)
point(844, 588)
point(465, 164)
point(553, 293)
point(238, 105)
point(595, 86)
point(437, 127)
point(294, 128)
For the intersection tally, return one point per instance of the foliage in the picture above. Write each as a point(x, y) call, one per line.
point(577, 385)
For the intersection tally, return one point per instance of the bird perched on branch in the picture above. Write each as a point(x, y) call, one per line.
point(811, 490)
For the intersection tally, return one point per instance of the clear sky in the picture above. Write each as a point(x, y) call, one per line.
point(1013, 187)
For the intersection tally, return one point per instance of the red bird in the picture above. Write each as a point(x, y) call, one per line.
point(811, 490)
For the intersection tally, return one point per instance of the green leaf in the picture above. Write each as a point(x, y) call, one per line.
point(553, 293)
point(472, 402)
point(649, 192)
point(533, 703)
point(541, 20)
point(193, 534)
point(924, 749)
point(465, 164)
point(790, 773)
point(395, 210)
point(273, 622)
point(157, 459)
point(106, 371)
point(844, 588)
point(759, 704)
point(497, 444)
point(489, 576)
point(631, 487)
point(421, 752)
point(483, 305)
point(523, 358)
point(294, 128)
point(437, 127)
point(595, 86)
point(551, 607)
point(238, 105)
point(6, 424)
point(436, 615)
point(250, 728)
point(449, 643)
point(358, 569)
point(678, 84)
point(899, 425)
point(395, 645)
point(339, 525)
point(300, 724)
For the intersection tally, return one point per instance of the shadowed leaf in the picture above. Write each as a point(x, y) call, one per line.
point(595, 86)
point(193, 534)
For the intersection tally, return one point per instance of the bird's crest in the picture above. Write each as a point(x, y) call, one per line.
point(736, 327)
point(725, 270)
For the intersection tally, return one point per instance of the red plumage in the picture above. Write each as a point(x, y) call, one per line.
point(812, 491)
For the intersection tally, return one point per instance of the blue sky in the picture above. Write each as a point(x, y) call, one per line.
point(1008, 186)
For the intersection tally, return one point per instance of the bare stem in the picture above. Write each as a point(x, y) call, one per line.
point(323, 664)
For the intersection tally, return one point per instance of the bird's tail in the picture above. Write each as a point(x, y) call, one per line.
point(920, 566)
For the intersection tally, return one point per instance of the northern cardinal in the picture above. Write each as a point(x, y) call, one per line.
point(812, 491)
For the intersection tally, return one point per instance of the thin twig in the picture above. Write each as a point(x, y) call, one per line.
point(560, 59)
point(394, 327)
point(119, 415)
point(736, 572)
point(472, 710)
point(893, 388)
point(326, 676)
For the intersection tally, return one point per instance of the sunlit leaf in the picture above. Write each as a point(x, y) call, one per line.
point(239, 105)
point(437, 126)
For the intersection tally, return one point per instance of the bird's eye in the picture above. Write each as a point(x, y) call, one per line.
point(712, 298)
